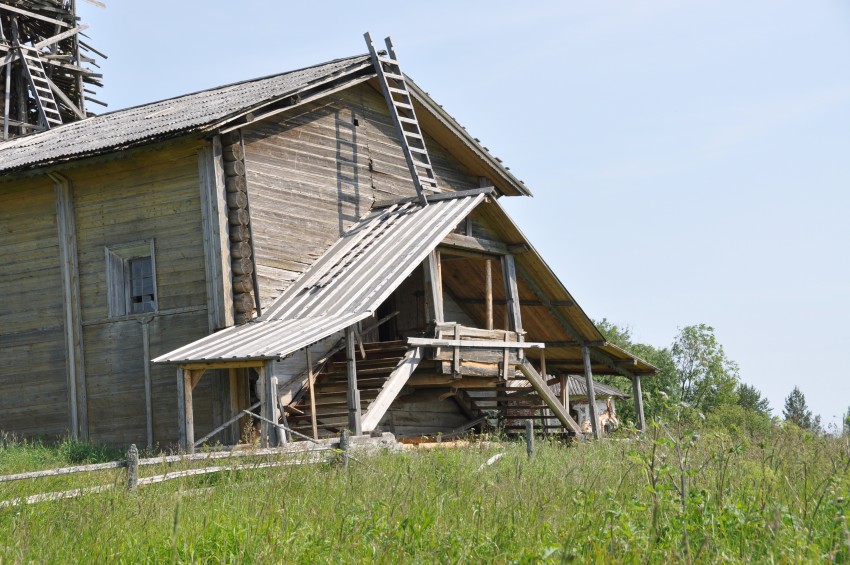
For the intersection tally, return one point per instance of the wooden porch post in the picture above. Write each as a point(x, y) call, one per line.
point(262, 392)
point(511, 295)
point(488, 278)
point(591, 394)
point(565, 392)
point(186, 381)
point(354, 420)
point(311, 381)
point(434, 288)
point(637, 393)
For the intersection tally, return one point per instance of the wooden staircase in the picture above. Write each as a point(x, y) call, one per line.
point(331, 385)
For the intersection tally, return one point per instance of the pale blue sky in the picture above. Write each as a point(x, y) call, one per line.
point(690, 160)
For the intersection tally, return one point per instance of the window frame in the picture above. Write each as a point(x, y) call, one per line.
point(119, 278)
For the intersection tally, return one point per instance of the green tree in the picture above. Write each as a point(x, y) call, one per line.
point(750, 398)
point(652, 386)
point(797, 411)
point(706, 378)
point(847, 422)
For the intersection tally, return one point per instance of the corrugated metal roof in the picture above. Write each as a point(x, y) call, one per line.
point(578, 387)
point(345, 285)
point(134, 126)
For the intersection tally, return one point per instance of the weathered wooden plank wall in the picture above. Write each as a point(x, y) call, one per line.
point(33, 387)
point(314, 171)
point(151, 195)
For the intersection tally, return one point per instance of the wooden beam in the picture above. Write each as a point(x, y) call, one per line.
point(512, 294)
point(488, 292)
point(311, 382)
point(502, 301)
point(216, 236)
point(397, 379)
point(591, 394)
point(433, 287)
point(429, 342)
point(68, 102)
point(74, 354)
point(245, 364)
point(546, 394)
point(263, 393)
point(146, 351)
point(33, 15)
point(477, 244)
point(637, 394)
point(565, 392)
point(57, 38)
point(354, 420)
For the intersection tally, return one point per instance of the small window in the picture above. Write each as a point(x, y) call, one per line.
point(131, 278)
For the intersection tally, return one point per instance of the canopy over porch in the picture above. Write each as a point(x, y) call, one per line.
point(462, 242)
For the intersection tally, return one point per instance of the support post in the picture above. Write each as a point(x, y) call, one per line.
point(75, 365)
point(146, 349)
point(565, 392)
point(354, 421)
point(312, 384)
point(591, 394)
point(433, 288)
point(529, 437)
point(277, 436)
point(344, 440)
point(638, 396)
point(181, 409)
point(488, 287)
point(235, 431)
point(263, 393)
point(133, 467)
point(185, 384)
point(511, 294)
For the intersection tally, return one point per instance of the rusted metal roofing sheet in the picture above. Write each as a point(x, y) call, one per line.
point(183, 114)
point(345, 285)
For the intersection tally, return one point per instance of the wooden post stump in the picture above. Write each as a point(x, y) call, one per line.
point(133, 468)
point(344, 446)
point(529, 437)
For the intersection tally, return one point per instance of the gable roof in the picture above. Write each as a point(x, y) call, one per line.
point(209, 110)
point(202, 110)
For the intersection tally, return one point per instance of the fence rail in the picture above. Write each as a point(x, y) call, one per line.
point(312, 453)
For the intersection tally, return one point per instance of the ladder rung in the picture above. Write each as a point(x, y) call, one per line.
point(418, 150)
point(412, 134)
point(399, 90)
point(402, 105)
point(393, 76)
point(387, 60)
point(409, 121)
point(51, 110)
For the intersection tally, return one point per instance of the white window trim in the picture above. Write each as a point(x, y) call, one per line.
point(118, 276)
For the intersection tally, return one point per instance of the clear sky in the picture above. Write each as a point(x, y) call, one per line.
point(690, 160)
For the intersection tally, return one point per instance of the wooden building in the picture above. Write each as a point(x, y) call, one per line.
point(270, 235)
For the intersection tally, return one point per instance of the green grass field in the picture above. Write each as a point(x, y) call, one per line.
point(780, 497)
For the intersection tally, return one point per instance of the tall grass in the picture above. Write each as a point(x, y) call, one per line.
point(778, 497)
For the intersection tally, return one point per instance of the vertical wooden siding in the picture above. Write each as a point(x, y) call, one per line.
point(33, 385)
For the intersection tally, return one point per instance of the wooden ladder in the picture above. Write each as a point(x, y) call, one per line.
point(48, 109)
point(404, 117)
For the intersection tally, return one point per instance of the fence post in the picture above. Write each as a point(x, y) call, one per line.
point(133, 467)
point(344, 438)
point(529, 437)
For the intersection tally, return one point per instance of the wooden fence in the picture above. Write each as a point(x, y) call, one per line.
point(310, 453)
